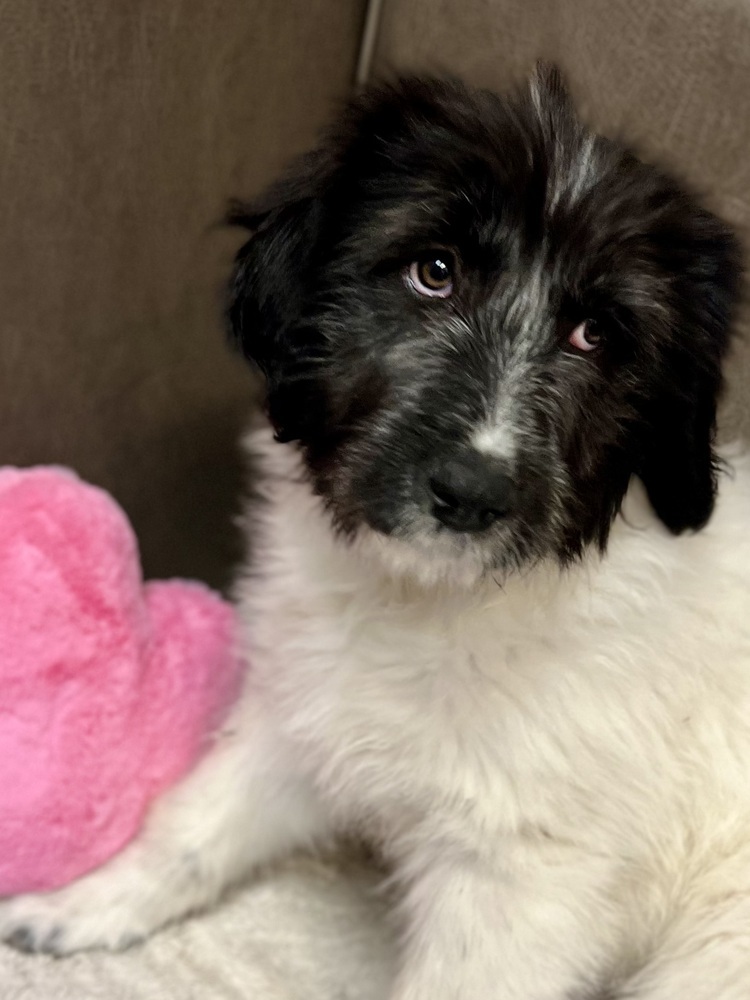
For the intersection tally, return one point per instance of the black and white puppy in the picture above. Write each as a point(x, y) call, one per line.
point(485, 332)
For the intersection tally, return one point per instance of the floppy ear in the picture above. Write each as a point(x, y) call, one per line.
point(678, 464)
point(273, 284)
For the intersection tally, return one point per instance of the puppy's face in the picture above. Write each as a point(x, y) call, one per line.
point(479, 320)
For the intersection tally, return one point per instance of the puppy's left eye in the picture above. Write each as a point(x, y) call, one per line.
point(432, 275)
point(585, 336)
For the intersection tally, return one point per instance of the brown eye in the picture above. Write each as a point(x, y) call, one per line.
point(432, 275)
point(585, 337)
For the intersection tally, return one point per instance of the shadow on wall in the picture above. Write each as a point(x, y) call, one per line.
point(187, 524)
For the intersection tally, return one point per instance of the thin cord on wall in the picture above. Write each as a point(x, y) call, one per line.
point(369, 40)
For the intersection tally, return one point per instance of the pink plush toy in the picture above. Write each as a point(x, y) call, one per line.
point(109, 689)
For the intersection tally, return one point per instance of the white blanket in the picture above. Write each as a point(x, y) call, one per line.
point(310, 931)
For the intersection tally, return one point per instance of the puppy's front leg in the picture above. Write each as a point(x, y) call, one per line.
point(471, 933)
point(242, 806)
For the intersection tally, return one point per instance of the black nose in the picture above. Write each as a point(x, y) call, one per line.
point(470, 491)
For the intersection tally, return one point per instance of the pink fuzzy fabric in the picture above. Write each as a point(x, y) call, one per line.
point(109, 689)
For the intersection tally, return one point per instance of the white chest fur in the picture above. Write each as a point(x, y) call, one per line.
point(575, 707)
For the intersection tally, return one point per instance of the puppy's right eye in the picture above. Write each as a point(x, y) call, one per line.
point(585, 337)
point(432, 275)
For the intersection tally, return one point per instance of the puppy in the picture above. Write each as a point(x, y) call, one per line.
point(492, 345)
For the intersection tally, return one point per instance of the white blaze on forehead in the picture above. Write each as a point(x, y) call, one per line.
point(495, 439)
point(501, 431)
point(524, 307)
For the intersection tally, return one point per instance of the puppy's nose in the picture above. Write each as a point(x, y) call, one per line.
point(470, 491)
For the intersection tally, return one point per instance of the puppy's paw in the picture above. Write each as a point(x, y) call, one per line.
point(113, 908)
point(64, 922)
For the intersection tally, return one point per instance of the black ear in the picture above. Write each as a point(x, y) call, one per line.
point(679, 466)
point(273, 285)
point(678, 463)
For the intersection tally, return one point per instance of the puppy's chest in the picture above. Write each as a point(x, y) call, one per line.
point(402, 712)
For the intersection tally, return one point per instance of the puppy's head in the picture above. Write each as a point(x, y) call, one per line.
point(479, 320)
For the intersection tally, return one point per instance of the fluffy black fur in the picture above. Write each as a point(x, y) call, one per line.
point(549, 225)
